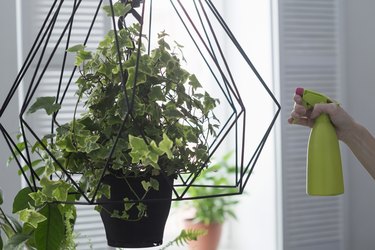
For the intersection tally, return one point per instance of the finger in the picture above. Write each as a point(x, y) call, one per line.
point(299, 109)
point(298, 99)
point(300, 121)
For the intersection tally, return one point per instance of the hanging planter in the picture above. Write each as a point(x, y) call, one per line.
point(135, 106)
point(144, 222)
point(145, 120)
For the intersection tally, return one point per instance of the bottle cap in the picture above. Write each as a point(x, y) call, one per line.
point(299, 91)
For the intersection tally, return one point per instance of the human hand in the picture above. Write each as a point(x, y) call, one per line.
point(341, 120)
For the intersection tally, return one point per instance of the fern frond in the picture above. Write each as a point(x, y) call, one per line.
point(185, 236)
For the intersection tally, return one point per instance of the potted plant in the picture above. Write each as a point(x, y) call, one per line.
point(40, 227)
point(145, 120)
point(210, 212)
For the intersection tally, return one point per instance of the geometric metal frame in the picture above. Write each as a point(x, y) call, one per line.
point(225, 82)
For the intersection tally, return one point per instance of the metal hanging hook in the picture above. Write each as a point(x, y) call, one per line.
point(135, 4)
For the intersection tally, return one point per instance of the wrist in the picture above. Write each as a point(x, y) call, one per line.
point(353, 134)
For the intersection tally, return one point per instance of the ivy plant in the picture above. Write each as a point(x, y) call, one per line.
point(40, 227)
point(145, 103)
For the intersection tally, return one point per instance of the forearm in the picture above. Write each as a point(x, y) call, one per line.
point(362, 143)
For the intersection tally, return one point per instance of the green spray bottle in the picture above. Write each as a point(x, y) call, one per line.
point(324, 167)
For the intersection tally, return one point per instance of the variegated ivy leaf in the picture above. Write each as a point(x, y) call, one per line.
point(193, 81)
point(76, 48)
point(152, 184)
point(139, 149)
point(31, 217)
point(58, 190)
point(166, 145)
point(141, 78)
point(39, 198)
point(119, 9)
point(82, 56)
point(47, 103)
point(154, 152)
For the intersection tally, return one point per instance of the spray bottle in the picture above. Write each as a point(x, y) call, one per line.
point(324, 168)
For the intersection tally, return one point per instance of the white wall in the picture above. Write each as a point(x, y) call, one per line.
point(250, 21)
point(359, 79)
point(9, 181)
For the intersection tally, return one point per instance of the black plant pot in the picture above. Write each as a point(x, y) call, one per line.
point(149, 230)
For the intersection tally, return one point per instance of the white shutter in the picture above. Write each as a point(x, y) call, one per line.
point(88, 228)
point(308, 58)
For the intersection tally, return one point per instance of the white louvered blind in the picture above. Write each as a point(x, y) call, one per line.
point(89, 228)
point(308, 58)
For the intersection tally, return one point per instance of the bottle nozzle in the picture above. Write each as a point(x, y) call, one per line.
point(310, 98)
point(299, 91)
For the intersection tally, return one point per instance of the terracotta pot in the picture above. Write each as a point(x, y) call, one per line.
point(209, 241)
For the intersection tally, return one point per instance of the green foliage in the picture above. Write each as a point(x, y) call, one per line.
point(31, 217)
point(44, 226)
point(185, 236)
point(1, 197)
point(22, 200)
point(155, 111)
point(119, 9)
point(50, 233)
point(47, 103)
point(215, 209)
point(17, 242)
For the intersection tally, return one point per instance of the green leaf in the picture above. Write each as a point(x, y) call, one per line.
point(51, 232)
point(154, 184)
point(19, 148)
point(193, 81)
point(209, 103)
point(58, 190)
point(172, 112)
point(141, 209)
point(39, 198)
point(76, 48)
point(139, 148)
point(81, 56)
point(90, 143)
point(156, 94)
point(34, 165)
point(1, 197)
point(185, 236)
point(1, 243)
point(146, 185)
point(47, 103)
point(166, 145)
point(119, 9)
point(31, 217)
point(8, 230)
point(127, 204)
point(17, 242)
point(141, 78)
point(16, 224)
point(22, 200)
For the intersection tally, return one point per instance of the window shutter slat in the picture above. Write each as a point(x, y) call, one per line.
point(89, 227)
point(308, 58)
